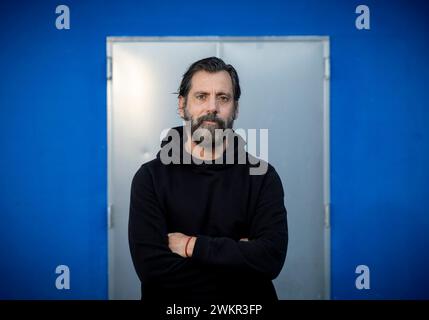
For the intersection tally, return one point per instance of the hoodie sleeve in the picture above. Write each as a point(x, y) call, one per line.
point(265, 252)
point(148, 239)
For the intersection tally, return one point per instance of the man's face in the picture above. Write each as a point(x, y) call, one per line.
point(210, 103)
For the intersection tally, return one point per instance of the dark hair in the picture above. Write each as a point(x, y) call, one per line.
point(211, 64)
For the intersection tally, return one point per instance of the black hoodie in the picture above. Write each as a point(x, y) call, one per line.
point(219, 204)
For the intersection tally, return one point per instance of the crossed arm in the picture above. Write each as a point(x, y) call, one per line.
point(184, 245)
point(159, 255)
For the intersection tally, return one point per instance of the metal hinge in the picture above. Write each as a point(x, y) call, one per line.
point(327, 67)
point(109, 68)
point(327, 215)
point(326, 60)
point(109, 217)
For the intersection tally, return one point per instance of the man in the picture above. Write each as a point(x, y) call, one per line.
point(207, 229)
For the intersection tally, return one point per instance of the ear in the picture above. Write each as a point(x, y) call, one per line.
point(181, 106)
point(236, 111)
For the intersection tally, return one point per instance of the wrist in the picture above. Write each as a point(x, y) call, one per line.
point(189, 248)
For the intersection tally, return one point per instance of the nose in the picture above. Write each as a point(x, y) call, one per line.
point(212, 105)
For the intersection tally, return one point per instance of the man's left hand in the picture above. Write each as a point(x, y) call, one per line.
point(177, 243)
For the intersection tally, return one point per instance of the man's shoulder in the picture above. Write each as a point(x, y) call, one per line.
point(259, 166)
point(147, 169)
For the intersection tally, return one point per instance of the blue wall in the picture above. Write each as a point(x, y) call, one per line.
point(53, 162)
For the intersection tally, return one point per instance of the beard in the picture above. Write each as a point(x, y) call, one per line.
point(209, 133)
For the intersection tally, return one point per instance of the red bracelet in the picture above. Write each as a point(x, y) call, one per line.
point(186, 247)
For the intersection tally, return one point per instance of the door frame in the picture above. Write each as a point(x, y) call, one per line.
point(326, 129)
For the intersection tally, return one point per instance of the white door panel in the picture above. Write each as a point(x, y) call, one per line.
point(283, 89)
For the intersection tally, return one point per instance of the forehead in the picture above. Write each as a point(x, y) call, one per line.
point(209, 81)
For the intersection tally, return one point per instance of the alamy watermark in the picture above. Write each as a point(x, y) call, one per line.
point(62, 282)
point(362, 281)
point(241, 147)
point(362, 22)
point(63, 20)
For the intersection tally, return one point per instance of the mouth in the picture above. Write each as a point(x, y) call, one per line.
point(209, 122)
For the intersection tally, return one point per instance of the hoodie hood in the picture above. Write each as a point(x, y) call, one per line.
point(173, 151)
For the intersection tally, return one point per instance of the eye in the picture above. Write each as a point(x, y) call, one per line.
point(224, 98)
point(201, 97)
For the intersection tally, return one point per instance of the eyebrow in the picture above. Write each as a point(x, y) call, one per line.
point(217, 94)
